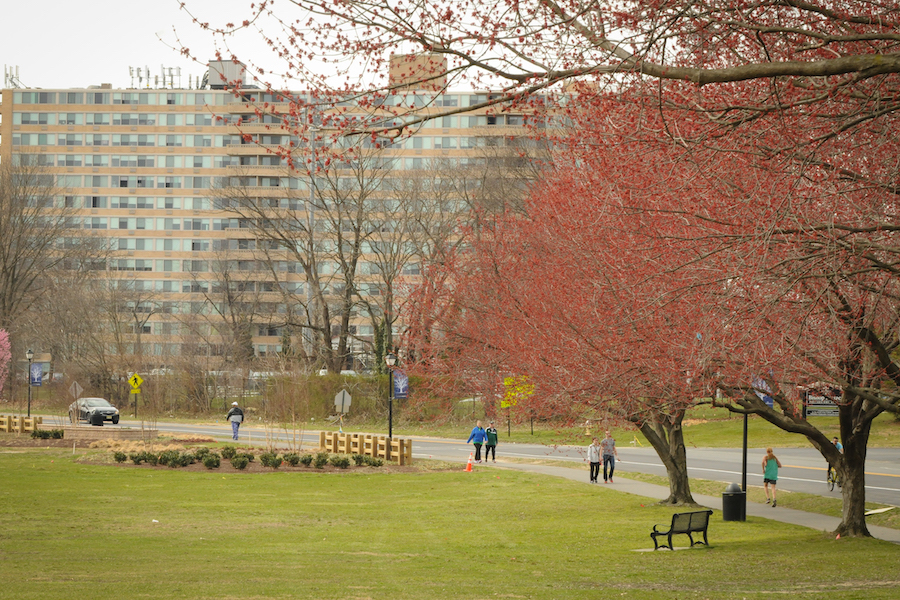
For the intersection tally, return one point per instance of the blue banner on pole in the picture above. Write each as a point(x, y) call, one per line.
point(401, 384)
point(37, 374)
point(760, 388)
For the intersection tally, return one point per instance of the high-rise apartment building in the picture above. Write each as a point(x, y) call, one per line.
point(160, 174)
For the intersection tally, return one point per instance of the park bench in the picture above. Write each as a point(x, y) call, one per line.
point(686, 523)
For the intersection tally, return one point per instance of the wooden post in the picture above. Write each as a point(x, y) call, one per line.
point(321, 440)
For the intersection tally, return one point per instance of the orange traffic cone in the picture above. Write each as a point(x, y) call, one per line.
point(469, 466)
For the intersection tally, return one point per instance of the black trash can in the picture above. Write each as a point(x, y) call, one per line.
point(97, 419)
point(734, 503)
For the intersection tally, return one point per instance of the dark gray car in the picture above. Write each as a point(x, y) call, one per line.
point(84, 408)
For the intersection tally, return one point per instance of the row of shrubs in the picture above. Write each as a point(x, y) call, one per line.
point(240, 460)
point(47, 434)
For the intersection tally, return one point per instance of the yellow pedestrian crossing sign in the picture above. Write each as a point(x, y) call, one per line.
point(135, 381)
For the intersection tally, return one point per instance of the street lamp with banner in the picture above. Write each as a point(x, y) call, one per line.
point(29, 354)
point(391, 360)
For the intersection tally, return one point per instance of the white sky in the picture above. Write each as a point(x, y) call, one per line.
point(70, 44)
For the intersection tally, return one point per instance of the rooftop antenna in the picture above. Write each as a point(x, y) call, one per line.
point(147, 71)
point(11, 77)
point(131, 74)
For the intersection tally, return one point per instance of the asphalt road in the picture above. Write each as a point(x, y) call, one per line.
point(803, 470)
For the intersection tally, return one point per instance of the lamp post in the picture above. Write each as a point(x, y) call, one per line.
point(391, 360)
point(29, 354)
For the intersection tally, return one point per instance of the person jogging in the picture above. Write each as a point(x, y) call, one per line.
point(770, 466)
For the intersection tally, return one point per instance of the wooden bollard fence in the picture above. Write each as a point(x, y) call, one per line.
point(19, 424)
point(398, 450)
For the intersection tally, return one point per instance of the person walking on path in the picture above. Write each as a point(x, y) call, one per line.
point(593, 457)
point(770, 466)
point(477, 437)
point(491, 446)
point(610, 454)
point(236, 416)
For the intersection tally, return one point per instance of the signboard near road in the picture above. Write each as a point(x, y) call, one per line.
point(75, 389)
point(342, 401)
point(816, 405)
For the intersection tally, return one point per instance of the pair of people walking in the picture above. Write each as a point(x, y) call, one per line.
point(605, 451)
point(484, 437)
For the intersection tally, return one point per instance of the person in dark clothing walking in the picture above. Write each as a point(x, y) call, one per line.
point(477, 437)
point(236, 416)
point(491, 446)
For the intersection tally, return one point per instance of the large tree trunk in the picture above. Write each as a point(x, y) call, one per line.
point(667, 439)
point(852, 467)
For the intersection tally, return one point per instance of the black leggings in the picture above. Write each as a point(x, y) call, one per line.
point(490, 449)
point(477, 451)
point(595, 470)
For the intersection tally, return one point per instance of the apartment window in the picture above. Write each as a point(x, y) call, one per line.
point(197, 182)
point(97, 139)
point(171, 120)
point(95, 201)
point(199, 120)
point(196, 224)
point(97, 98)
point(33, 118)
point(71, 98)
point(95, 223)
point(125, 119)
point(196, 203)
point(69, 160)
point(69, 139)
point(201, 141)
point(97, 118)
point(171, 140)
point(34, 97)
point(174, 99)
point(168, 182)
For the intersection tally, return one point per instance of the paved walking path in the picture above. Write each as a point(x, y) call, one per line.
point(658, 492)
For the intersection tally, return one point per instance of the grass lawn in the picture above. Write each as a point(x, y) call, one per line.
point(74, 529)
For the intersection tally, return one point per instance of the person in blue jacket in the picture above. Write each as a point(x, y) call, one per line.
point(477, 437)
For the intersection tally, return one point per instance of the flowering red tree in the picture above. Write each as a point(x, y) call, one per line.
point(636, 244)
point(5, 357)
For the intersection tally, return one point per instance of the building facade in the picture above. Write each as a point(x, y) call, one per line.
point(164, 176)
